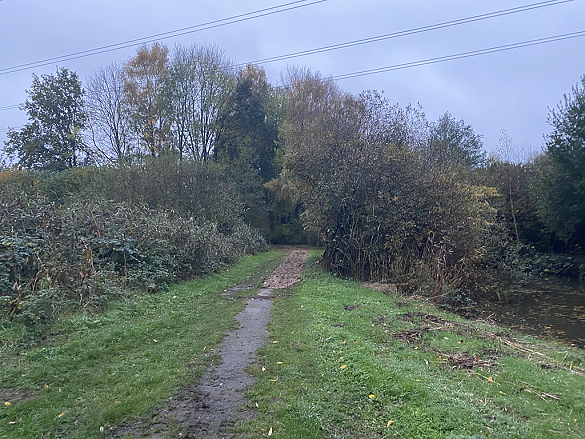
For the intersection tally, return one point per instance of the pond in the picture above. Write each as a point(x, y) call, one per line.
point(546, 307)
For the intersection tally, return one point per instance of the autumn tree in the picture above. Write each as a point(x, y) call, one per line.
point(143, 77)
point(52, 139)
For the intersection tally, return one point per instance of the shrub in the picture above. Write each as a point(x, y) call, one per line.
point(55, 258)
point(382, 212)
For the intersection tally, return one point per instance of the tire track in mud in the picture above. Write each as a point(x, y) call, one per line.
point(209, 410)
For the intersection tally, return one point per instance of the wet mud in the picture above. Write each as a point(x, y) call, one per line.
point(211, 408)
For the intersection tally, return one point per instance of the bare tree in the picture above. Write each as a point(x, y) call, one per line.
point(216, 81)
point(508, 153)
point(109, 119)
point(182, 100)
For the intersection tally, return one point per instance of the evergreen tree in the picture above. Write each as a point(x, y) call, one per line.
point(564, 192)
point(246, 142)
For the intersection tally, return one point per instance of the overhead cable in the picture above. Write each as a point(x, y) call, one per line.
point(453, 57)
point(413, 31)
point(10, 107)
point(407, 32)
point(462, 55)
point(164, 35)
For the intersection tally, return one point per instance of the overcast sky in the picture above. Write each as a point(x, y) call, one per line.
point(512, 89)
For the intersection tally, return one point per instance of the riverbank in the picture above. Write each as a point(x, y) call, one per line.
point(347, 361)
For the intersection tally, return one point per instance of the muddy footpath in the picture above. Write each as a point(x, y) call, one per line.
point(211, 409)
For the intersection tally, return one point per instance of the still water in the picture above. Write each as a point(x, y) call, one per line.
point(549, 308)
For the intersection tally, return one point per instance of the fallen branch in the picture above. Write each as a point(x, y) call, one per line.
point(526, 350)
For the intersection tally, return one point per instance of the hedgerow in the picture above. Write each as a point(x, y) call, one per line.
point(59, 255)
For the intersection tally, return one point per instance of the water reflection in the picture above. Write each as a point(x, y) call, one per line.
point(543, 307)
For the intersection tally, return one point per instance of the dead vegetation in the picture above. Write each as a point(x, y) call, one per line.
point(464, 360)
point(531, 353)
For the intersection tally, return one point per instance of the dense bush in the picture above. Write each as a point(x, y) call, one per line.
point(517, 200)
point(187, 187)
point(57, 257)
point(381, 211)
point(516, 257)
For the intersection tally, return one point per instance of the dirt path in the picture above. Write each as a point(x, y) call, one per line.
point(210, 409)
point(289, 272)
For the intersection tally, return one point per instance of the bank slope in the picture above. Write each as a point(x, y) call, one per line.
point(347, 361)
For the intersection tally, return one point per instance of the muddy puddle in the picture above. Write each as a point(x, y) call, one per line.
point(544, 307)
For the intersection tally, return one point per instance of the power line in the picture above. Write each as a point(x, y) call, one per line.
point(462, 55)
point(413, 31)
point(445, 58)
point(264, 12)
point(453, 57)
point(10, 107)
point(407, 32)
point(437, 59)
point(170, 34)
point(5, 130)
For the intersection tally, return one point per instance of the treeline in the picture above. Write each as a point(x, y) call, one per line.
point(155, 169)
point(395, 197)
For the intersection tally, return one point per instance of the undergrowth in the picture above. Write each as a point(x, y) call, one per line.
point(57, 259)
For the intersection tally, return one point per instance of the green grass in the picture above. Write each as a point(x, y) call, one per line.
point(349, 362)
point(344, 362)
point(104, 370)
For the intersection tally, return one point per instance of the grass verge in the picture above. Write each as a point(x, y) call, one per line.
point(95, 372)
point(349, 362)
